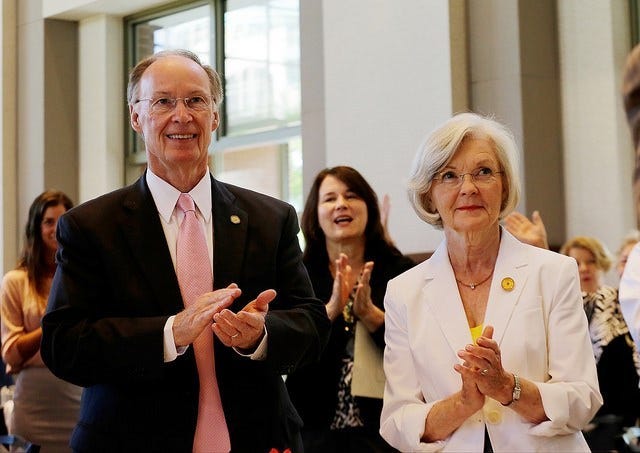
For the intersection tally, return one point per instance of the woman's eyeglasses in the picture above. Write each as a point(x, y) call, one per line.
point(480, 176)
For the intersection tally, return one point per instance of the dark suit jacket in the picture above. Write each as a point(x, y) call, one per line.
point(116, 286)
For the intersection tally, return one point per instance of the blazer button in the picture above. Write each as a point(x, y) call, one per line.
point(493, 416)
point(492, 412)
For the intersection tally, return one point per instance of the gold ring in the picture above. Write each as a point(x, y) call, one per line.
point(235, 336)
point(484, 372)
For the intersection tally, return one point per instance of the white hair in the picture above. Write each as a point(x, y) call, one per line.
point(437, 150)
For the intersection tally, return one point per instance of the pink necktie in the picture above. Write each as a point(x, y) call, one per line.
point(195, 278)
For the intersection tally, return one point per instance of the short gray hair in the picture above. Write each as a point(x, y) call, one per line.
point(136, 73)
point(438, 149)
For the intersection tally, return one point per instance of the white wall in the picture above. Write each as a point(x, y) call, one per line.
point(31, 107)
point(387, 83)
point(8, 164)
point(102, 105)
point(594, 42)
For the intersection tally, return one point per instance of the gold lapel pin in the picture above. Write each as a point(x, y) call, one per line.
point(234, 219)
point(508, 284)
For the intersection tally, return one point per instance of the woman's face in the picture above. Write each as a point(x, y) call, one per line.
point(590, 274)
point(342, 214)
point(49, 224)
point(470, 205)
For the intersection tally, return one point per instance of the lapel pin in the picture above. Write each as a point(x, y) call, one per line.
point(508, 284)
point(234, 219)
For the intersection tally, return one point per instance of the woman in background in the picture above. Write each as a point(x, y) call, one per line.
point(616, 357)
point(45, 407)
point(349, 262)
point(628, 242)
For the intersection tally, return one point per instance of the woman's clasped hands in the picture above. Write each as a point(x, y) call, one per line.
point(482, 372)
point(347, 282)
point(362, 304)
point(342, 285)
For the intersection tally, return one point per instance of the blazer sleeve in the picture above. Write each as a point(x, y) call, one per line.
point(404, 409)
point(571, 394)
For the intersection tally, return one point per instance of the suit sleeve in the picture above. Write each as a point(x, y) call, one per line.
point(90, 334)
point(298, 326)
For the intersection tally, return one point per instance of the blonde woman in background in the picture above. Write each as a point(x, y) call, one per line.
point(45, 407)
point(617, 360)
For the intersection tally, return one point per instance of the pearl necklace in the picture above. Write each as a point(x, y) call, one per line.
point(474, 285)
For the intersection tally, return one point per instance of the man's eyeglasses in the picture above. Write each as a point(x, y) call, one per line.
point(480, 176)
point(163, 105)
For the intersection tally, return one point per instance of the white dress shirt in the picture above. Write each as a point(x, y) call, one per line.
point(165, 196)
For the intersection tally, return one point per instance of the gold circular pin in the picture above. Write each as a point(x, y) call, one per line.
point(508, 284)
point(235, 219)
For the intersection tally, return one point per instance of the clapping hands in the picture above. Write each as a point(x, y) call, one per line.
point(482, 372)
point(531, 232)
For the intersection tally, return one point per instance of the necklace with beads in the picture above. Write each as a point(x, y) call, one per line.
point(475, 285)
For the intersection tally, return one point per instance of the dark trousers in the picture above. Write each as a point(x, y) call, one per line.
point(355, 440)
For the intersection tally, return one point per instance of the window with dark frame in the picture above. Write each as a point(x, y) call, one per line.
point(255, 46)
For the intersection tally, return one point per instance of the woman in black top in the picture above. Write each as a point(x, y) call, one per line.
point(349, 262)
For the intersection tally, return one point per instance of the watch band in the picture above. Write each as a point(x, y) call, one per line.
point(516, 388)
point(515, 394)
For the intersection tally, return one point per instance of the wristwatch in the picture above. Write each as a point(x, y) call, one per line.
point(516, 388)
point(515, 394)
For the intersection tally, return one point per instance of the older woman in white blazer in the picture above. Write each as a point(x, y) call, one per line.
point(487, 347)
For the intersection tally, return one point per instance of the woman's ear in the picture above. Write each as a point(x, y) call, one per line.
point(505, 197)
point(215, 121)
point(428, 204)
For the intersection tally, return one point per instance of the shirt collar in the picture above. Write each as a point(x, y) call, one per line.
point(166, 196)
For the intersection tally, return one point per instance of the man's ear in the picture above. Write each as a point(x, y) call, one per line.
point(134, 119)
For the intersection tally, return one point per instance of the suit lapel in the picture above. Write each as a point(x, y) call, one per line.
point(230, 234)
point(448, 313)
point(142, 229)
point(511, 267)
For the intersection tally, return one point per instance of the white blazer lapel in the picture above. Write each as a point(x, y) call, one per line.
point(448, 313)
point(509, 279)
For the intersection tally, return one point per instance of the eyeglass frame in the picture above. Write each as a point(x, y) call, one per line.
point(460, 177)
point(153, 101)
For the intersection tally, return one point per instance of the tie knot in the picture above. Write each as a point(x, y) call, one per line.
point(185, 203)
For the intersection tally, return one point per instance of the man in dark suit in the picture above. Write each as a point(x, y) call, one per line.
point(116, 323)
